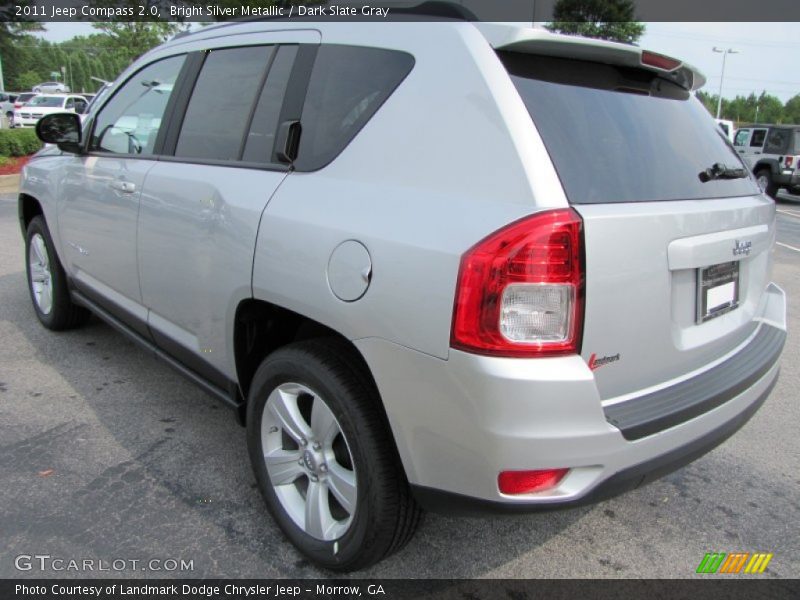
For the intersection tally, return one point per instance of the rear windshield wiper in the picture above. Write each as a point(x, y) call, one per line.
point(720, 171)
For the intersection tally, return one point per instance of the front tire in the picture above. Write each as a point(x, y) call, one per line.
point(323, 457)
point(47, 281)
point(764, 179)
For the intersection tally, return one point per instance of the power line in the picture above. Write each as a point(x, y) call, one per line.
point(710, 38)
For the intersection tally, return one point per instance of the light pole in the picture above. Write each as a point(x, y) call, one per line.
point(722, 76)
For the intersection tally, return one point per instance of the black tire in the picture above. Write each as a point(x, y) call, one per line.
point(63, 313)
point(386, 516)
point(771, 188)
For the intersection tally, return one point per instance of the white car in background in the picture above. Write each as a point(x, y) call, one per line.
point(51, 87)
point(45, 104)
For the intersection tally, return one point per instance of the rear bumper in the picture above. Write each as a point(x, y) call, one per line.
point(628, 479)
point(459, 423)
point(787, 177)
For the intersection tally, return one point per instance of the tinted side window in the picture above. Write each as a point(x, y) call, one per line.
point(221, 104)
point(130, 122)
point(348, 85)
point(261, 137)
point(758, 137)
point(777, 141)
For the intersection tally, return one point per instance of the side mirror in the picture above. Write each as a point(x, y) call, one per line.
point(62, 129)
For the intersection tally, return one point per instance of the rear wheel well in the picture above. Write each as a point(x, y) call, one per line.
point(763, 166)
point(29, 208)
point(260, 328)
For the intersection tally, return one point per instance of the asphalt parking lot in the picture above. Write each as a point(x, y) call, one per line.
point(107, 454)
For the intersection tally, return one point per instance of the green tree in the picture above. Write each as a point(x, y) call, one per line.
point(131, 39)
point(604, 19)
point(28, 79)
point(13, 38)
point(791, 110)
point(708, 100)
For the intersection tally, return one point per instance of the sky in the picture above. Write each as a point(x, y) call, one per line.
point(766, 58)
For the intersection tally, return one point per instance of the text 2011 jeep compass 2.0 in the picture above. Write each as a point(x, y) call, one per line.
point(431, 264)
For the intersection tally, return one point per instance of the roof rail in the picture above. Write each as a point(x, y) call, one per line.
point(437, 9)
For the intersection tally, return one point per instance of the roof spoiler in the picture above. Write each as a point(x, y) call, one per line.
point(540, 41)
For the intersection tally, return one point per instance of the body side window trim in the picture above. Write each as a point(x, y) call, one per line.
point(295, 96)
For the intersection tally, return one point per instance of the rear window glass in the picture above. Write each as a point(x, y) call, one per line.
point(348, 85)
point(622, 135)
point(777, 141)
point(780, 141)
point(47, 101)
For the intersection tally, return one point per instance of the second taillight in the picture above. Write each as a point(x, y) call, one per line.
point(520, 290)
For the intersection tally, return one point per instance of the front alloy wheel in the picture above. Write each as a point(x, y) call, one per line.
point(41, 276)
point(47, 281)
point(765, 183)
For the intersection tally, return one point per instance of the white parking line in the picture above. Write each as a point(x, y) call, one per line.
point(791, 213)
point(788, 246)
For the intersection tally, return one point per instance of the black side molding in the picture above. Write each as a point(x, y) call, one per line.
point(645, 415)
point(631, 478)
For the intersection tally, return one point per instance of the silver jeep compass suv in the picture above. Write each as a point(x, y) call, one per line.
point(429, 264)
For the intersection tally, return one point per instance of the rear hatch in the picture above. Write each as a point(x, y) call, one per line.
point(677, 234)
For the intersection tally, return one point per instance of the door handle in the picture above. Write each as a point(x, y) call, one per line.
point(126, 187)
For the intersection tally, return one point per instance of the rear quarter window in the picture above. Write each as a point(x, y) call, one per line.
point(778, 141)
point(617, 134)
point(348, 85)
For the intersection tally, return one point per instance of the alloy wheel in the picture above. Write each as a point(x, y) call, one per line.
point(309, 462)
point(41, 275)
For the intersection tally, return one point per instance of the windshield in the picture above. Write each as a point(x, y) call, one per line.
point(47, 101)
point(617, 134)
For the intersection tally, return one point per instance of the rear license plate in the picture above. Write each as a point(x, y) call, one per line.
point(717, 290)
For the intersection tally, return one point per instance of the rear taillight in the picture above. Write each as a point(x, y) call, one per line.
point(788, 162)
point(520, 290)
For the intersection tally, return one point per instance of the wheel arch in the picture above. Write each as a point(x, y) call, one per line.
point(29, 207)
point(261, 328)
point(769, 163)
